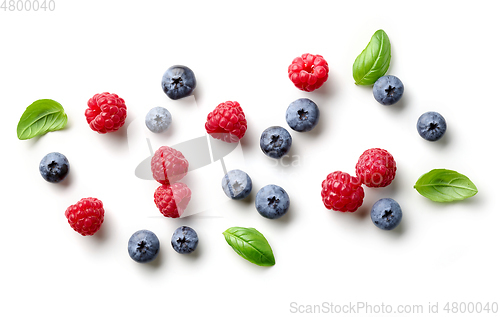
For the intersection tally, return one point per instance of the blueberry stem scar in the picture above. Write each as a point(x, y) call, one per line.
point(390, 91)
point(387, 215)
point(273, 201)
point(302, 114)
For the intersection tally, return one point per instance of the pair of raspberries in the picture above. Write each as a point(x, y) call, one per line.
point(343, 192)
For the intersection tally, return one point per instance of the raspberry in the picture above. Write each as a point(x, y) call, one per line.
point(86, 216)
point(227, 122)
point(308, 72)
point(342, 192)
point(172, 199)
point(376, 168)
point(168, 165)
point(106, 112)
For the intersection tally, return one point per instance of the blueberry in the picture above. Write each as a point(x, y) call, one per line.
point(275, 142)
point(178, 82)
point(143, 246)
point(184, 240)
point(158, 119)
point(272, 201)
point(431, 126)
point(54, 167)
point(302, 115)
point(386, 214)
point(388, 89)
point(237, 184)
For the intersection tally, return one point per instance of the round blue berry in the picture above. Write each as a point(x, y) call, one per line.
point(178, 82)
point(237, 184)
point(302, 115)
point(388, 89)
point(386, 214)
point(431, 126)
point(158, 119)
point(275, 142)
point(184, 240)
point(143, 246)
point(272, 201)
point(54, 167)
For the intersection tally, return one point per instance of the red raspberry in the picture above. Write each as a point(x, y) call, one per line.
point(308, 72)
point(106, 112)
point(227, 122)
point(342, 192)
point(376, 168)
point(168, 165)
point(172, 199)
point(86, 216)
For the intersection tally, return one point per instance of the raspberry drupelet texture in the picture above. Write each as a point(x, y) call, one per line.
point(227, 122)
point(376, 168)
point(172, 199)
point(342, 192)
point(86, 216)
point(308, 72)
point(168, 165)
point(106, 112)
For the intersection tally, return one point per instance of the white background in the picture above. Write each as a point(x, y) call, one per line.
point(446, 54)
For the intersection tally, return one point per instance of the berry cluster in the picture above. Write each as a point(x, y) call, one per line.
point(342, 192)
point(375, 168)
point(168, 167)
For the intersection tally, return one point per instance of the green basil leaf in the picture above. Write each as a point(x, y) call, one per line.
point(251, 245)
point(374, 60)
point(444, 185)
point(42, 116)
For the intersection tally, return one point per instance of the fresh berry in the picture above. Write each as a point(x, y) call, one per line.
point(237, 184)
point(308, 72)
point(342, 192)
point(388, 89)
point(54, 167)
point(172, 199)
point(227, 122)
point(431, 126)
point(143, 246)
point(376, 168)
point(158, 119)
point(178, 82)
point(86, 216)
point(272, 201)
point(184, 240)
point(302, 115)
point(168, 165)
point(386, 214)
point(275, 142)
point(106, 112)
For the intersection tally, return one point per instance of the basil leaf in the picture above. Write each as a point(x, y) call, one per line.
point(444, 185)
point(374, 60)
point(42, 116)
point(251, 245)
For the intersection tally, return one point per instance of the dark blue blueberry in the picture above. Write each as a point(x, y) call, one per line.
point(237, 184)
point(275, 142)
point(386, 214)
point(178, 82)
point(143, 246)
point(431, 126)
point(158, 119)
point(184, 240)
point(272, 201)
point(302, 115)
point(388, 89)
point(54, 167)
